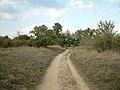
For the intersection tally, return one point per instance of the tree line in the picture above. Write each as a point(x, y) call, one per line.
point(102, 38)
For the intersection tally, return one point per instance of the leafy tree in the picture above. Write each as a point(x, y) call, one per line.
point(5, 41)
point(65, 39)
point(104, 35)
point(45, 41)
point(78, 35)
point(51, 34)
point(116, 43)
point(58, 29)
point(88, 33)
point(43, 36)
point(39, 33)
point(20, 40)
point(22, 37)
point(68, 39)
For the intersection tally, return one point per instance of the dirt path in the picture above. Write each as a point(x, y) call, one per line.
point(61, 75)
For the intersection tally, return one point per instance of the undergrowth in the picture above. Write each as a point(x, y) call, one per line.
point(100, 70)
point(23, 68)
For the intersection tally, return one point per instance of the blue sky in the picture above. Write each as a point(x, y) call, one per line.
point(23, 15)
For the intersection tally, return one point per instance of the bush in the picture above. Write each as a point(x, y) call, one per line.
point(22, 68)
point(100, 70)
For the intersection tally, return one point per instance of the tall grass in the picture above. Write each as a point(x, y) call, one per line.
point(100, 70)
point(23, 68)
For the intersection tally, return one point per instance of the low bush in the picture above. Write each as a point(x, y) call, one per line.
point(22, 68)
point(100, 70)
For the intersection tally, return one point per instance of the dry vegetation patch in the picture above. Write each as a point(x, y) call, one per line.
point(100, 70)
point(22, 68)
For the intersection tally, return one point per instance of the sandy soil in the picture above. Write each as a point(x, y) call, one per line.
point(61, 75)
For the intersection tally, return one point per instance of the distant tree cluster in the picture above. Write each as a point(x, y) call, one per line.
point(102, 38)
point(20, 40)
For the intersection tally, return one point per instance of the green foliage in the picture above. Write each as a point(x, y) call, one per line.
point(22, 37)
point(116, 43)
point(85, 37)
point(68, 39)
point(30, 42)
point(5, 42)
point(39, 33)
point(20, 40)
point(103, 38)
point(47, 41)
point(43, 36)
point(58, 29)
point(88, 33)
point(105, 35)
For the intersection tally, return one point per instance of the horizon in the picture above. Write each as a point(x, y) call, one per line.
point(23, 15)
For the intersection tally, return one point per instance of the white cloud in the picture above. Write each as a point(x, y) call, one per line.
point(4, 3)
point(51, 12)
point(27, 3)
point(30, 8)
point(82, 4)
point(55, 13)
point(114, 1)
point(32, 12)
point(5, 16)
point(7, 9)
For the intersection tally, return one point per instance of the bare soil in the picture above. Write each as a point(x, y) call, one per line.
point(61, 75)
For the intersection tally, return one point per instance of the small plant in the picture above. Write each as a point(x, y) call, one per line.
point(100, 70)
point(23, 68)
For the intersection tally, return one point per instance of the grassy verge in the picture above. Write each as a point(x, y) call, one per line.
point(22, 68)
point(100, 70)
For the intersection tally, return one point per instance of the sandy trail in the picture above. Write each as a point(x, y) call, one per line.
point(61, 75)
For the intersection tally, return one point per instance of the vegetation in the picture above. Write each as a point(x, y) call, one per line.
point(22, 68)
point(105, 35)
point(103, 38)
point(99, 65)
point(100, 70)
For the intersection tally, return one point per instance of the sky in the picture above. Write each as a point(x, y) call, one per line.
point(24, 15)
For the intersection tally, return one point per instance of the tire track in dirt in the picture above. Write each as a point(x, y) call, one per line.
point(61, 75)
point(65, 79)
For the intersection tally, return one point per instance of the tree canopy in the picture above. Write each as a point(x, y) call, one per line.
point(102, 38)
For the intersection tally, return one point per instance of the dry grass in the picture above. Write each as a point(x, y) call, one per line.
point(100, 70)
point(22, 68)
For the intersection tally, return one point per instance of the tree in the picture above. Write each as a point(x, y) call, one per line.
point(58, 29)
point(22, 37)
point(39, 33)
point(78, 35)
point(43, 36)
point(104, 35)
point(88, 33)
point(66, 39)
point(5, 41)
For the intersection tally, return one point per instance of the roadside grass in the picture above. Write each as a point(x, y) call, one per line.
point(100, 70)
point(23, 68)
